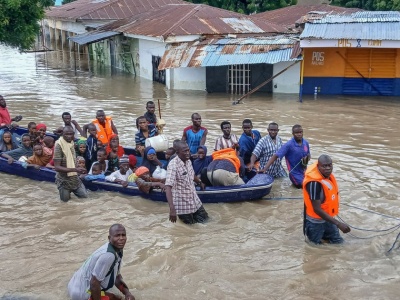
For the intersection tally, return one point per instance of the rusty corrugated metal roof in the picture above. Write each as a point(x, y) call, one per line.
point(289, 16)
point(191, 19)
point(105, 9)
point(221, 52)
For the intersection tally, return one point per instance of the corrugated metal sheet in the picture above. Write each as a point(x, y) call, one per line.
point(289, 15)
point(105, 9)
point(190, 19)
point(228, 52)
point(364, 31)
point(88, 38)
point(362, 17)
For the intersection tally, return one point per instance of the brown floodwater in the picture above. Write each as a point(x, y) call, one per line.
point(248, 250)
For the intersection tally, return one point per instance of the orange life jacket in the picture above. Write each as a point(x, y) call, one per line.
point(103, 133)
point(331, 191)
point(229, 154)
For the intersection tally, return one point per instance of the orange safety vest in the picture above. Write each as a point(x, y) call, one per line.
point(331, 191)
point(103, 133)
point(229, 154)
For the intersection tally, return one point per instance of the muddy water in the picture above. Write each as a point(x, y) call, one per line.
point(248, 250)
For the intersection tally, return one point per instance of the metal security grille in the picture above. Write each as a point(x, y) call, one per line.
point(158, 76)
point(239, 79)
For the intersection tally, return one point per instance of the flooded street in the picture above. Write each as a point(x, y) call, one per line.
point(249, 250)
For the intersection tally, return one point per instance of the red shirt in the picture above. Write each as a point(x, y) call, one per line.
point(4, 116)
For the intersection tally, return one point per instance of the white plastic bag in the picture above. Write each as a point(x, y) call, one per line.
point(159, 173)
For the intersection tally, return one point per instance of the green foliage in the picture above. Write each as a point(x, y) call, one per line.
point(67, 1)
point(247, 6)
point(19, 21)
point(369, 4)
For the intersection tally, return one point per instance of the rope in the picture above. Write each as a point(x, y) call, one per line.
point(370, 211)
point(372, 230)
point(295, 166)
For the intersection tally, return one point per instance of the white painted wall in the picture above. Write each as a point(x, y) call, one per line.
point(186, 79)
point(289, 81)
point(146, 50)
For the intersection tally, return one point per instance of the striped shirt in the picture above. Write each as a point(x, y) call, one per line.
point(264, 150)
point(223, 143)
point(180, 177)
point(140, 139)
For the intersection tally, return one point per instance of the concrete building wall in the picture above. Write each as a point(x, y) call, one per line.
point(289, 81)
point(147, 49)
point(186, 79)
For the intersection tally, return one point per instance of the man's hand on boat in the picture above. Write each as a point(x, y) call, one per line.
point(80, 170)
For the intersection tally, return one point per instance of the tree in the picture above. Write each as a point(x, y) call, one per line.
point(19, 21)
point(247, 6)
point(369, 4)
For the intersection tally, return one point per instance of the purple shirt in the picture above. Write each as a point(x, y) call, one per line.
point(293, 154)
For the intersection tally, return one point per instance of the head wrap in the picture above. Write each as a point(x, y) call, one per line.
point(132, 160)
point(200, 164)
point(141, 170)
point(124, 159)
point(40, 126)
point(151, 151)
point(81, 141)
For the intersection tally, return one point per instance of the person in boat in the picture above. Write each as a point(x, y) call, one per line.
point(38, 159)
point(321, 203)
point(102, 270)
point(7, 142)
point(181, 194)
point(150, 160)
point(121, 175)
point(40, 133)
point(91, 146)
point(114, 146)
point(297, 154)
point(202, 161)
point(168, 156)
point(5, 119)
point(195, 135)
point(146, 183)
point(248, 140)
point(226, 168)
point(265, 149)
point(96, 173)
point(67, 119)
point(80, 162)
point(24, 151)
point(80, 147)
point(145, 130)
point(132, 162)
point(67, 179)
point(149, 114)
point(32, 130)
point(104, 126)
point(101, 160)
point(228, 139)
point(48, 149)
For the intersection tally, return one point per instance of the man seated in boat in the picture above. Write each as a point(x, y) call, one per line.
point(146, 183)
point(195, 135)
point(121, 175)
point(67, 119)
point(5, 118)
point(228, 139)
point(104, 125)
point(145, 130)
point(248, 140)
point(226, 169)
point(149, 114)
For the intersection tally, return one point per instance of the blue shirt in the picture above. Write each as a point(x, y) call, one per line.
point(293, 154)
point(140, 139)
point(247, 144)
point(193, 139)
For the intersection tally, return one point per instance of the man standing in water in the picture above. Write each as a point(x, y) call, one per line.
point(5, 118)
point(265, 149)
point(195, 135)
point(321, 203)
point(67, 178)
point(248, 140)
point(101, 271)
point(297, 154)
point(180, 191)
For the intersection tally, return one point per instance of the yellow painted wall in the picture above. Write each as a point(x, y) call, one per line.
point(371, 63)
point(324, 62)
